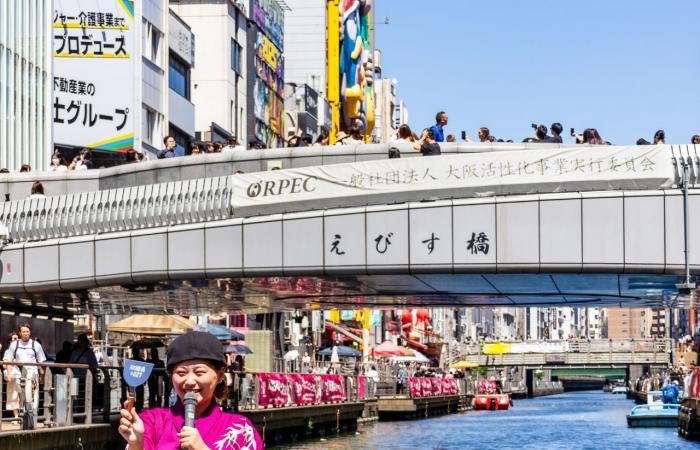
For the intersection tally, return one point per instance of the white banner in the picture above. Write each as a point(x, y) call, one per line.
point(93, 82)
point(539, 347)
point(573, 169)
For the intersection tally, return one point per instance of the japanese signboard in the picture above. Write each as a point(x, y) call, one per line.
point(572, 169)
point(93, 80)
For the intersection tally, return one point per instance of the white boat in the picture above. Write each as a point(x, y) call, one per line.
point(654, 416)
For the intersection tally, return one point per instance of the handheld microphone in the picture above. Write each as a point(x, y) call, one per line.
point(190, 403)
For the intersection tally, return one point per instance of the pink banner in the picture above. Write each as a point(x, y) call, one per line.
point(306, 388)
point(414, 387)
point(437, 386)
point(487, 387)
point(360, 388)
point(333, 389)
point(427, 387)
point(449, 386)
point(273, 389)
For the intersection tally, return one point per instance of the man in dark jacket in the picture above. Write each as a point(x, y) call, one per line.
point(169, 150)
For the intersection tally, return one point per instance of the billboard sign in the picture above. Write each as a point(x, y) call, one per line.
point(93, 82)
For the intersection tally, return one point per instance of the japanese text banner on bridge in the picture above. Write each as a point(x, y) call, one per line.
point(565, 169)
point(273, 389)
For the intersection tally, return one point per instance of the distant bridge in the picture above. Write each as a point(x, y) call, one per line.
point(595, 353)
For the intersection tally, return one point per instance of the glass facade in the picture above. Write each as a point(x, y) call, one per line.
point(178, 76)
point(25, 92)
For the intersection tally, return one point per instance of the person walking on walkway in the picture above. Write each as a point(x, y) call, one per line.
point(25, 350)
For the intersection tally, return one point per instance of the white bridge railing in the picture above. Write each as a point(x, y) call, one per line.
point(178, 202)
point(122, 209)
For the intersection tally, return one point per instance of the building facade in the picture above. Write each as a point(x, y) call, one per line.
point(305, 67)
point(25, 83)
point(384, 124)
point(181, 56)
point(265, 69)
point(219, 76)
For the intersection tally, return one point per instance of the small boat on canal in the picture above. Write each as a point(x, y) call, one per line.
point(654, 415)
point(490, 396)
point(491, 402)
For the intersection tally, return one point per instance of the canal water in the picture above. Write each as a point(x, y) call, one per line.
point(576, 420)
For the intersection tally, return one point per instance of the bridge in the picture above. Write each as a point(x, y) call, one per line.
point(572, 354)
point(481, 225)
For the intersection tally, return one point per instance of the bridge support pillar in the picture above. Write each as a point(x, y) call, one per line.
point(530, 382)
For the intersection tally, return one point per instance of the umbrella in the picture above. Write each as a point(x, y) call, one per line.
point(334, 355)
point(238, 349)
point(224, 334)
point(415, 357)
point(387, 348)
point(343, 351)
point(291, 355)
point(463, 365)
point(153, 324)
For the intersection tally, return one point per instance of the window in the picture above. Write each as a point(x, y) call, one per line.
point(150, 126)
point(155, 46)
point(235, 56)
point(179, 76)
point(182, 140)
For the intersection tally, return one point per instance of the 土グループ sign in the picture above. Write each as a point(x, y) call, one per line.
point(93, 73)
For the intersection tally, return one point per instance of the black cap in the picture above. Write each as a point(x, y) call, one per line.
point(195, 345)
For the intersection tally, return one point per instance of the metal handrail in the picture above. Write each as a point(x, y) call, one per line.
point(32, 389)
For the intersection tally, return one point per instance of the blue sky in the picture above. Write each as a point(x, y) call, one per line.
point(624, 67)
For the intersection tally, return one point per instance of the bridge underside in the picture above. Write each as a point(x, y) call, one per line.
point(263, 294)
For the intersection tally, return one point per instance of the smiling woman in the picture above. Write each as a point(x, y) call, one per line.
point(196, 362)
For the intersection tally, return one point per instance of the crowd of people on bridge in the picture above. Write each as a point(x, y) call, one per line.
point(436, 134)
point(428, 143)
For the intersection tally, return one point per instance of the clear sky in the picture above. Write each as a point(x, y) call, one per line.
point(625, 67)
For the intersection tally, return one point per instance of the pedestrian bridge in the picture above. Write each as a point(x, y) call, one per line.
point(585, 353)
point(574, 225)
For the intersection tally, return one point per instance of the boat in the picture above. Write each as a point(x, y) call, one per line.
point(619, 390)
point(491, 397)
point(654, 415)
point(491, 402)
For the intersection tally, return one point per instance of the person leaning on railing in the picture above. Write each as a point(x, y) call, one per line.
point(196, 363)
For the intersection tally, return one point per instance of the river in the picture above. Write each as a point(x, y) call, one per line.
point(576, 420)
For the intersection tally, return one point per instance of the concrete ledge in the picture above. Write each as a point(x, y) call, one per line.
point(402, 407)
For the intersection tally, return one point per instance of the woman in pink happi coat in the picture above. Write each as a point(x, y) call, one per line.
point(196, 363)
